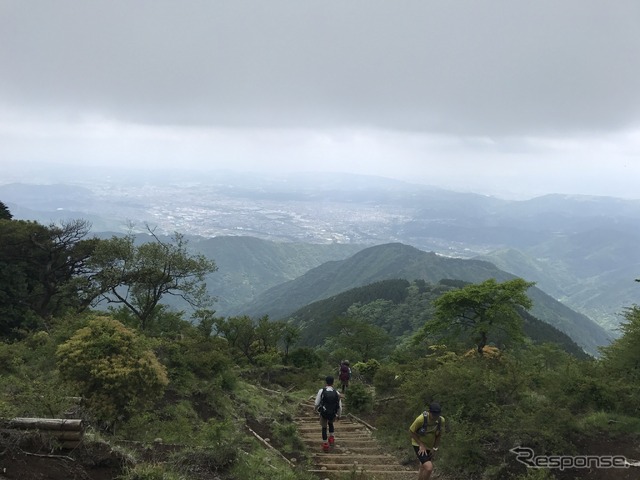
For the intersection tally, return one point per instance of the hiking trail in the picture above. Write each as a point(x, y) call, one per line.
point(356, 450)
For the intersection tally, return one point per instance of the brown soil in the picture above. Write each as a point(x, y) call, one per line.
point(33, 456)
point(30, 456)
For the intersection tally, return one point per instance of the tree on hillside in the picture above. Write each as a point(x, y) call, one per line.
point(112, 368)
point(481, 311)
point(622, 356)
point(240, 332)
point(268, 334)
point(44, 271)
point(139, 277)
point(364, 340)
point(290, 336)
point(64, 255)
point(5, 214)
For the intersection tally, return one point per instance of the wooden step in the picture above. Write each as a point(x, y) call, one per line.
point(365, 474)
point(356, 454)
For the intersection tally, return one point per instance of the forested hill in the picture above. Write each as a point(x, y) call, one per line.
point(248, 266)
point(396, 260)
point(401, 308)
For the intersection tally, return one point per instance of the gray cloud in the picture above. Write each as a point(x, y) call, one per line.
point(494, 68)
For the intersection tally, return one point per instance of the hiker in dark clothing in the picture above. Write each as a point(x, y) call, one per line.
point(329, 406)
point(344, 375)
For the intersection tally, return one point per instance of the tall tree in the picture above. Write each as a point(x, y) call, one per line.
point(240, 332)
point(63, 255)
point(138, 277)
point(268, 334)
point(482, 311)
point(290, 336)
point(5, 214)
point(622, 356)
point(364, 340)
point(43, 271)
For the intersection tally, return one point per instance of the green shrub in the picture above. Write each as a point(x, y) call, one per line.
point(112, 368)
point(146, 471)
point(602, 423)
point(305, 357)
point(368, 369)
point(193, 359)
point(386, 380)
point(286, 434)
point(359, 399)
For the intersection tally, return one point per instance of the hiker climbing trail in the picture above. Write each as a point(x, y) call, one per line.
point(355, 450)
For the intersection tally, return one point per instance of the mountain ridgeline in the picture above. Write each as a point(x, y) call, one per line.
point(399, 261)
point(401, 308)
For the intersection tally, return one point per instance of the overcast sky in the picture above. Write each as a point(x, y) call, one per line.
point(508, 97)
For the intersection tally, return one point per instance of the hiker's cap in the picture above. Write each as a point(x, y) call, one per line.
point(434, 408)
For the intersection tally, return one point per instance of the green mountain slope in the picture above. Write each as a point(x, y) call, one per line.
point(248, 266)
point(592, 272)
point(395, 260)
point(404, 309)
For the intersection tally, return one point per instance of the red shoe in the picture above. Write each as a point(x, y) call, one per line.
point(332, 440)
point(325, 446)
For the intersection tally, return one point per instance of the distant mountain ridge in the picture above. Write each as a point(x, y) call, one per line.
point(569, 267)
point(397, 260)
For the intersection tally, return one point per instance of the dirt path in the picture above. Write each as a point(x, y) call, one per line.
point(356, 451)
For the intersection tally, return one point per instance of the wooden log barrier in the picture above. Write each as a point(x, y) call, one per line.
point(67, 432)
point(63, 424)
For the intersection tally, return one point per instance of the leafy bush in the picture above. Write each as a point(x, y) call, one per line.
point(192, 360)
point(367, 369)
point(386, 380)
point(359, 399)
point(305, 357)
point(146, 471)
point(112, 368)
point(286, 434)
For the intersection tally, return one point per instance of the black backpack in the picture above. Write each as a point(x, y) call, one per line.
point(422, 430)
point(329, 403)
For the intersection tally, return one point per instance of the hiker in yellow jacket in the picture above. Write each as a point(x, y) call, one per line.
point(426, 431)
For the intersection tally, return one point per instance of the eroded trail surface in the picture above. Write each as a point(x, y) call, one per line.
point(356, 451)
